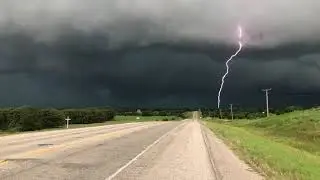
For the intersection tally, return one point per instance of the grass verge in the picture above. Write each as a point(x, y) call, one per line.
point(274, 159)
point(299, 129)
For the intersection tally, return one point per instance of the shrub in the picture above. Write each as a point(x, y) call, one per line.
point(29, 119)
point(165, 119)
point(51, 118)
point(89, 116)
point(4, 123)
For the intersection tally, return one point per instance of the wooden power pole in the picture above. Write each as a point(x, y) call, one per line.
point(267, 99)
point(231, 111)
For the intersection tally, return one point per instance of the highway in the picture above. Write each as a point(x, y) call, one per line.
point(144, 150)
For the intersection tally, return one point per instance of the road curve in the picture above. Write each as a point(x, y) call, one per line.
point(148, 150)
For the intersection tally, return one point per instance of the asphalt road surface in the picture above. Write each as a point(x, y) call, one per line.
point(150, 150)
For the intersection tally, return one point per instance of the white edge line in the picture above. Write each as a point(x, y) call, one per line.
point(141, 153)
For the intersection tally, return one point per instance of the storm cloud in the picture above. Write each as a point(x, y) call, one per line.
point(148, 21)
point(157, 53)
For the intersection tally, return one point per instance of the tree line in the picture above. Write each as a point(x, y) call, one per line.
point(30, 119)
point(246, 113)
point(153, 112)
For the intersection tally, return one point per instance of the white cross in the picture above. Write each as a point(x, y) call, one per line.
point(68, 119)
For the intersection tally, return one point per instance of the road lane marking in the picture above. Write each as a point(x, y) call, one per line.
point(3, 161)
point(142, 152)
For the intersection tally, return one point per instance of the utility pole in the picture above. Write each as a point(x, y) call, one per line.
point(231, 111)
point(267, 99)
point(199, 113)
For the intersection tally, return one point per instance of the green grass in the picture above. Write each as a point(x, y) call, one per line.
point(300, 129)
point(282, 147)
point(117, 120)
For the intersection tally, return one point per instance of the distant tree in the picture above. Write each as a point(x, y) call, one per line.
point(292, 108)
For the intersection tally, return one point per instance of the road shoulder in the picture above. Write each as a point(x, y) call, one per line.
point(225, 163)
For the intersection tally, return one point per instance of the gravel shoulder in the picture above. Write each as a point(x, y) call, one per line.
point(225, 163)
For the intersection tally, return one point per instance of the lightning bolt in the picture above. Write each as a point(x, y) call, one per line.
point(227, 63)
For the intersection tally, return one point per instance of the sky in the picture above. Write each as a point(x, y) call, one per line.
point(152, 53)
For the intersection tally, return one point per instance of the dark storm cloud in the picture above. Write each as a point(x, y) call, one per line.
point(140, 52)
point(148, 21)
point(78, 67)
